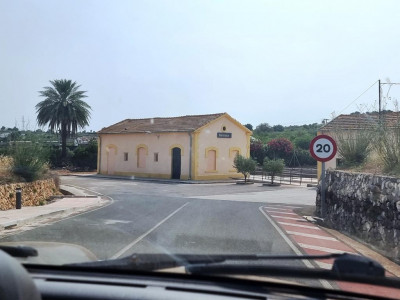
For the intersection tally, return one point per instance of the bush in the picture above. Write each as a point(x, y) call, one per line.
point(54, 157)
point(85, 156)
point(280, 146)
point(273, 167)
point(303, 142)
point(354, 146)
point(257, 151)
point(29, 161)
point(304, 158)
point(244, 165)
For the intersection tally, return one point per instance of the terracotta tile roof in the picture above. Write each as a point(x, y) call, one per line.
point(361, 121)
point(174, 124)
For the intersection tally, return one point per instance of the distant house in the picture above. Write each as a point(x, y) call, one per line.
point(198, 147)
point(4, 135)
point(347, 125)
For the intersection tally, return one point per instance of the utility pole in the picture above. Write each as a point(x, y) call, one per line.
point(379, 87)
point(380, 94)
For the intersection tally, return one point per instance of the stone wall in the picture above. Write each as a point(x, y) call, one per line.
point(365, 206)
point(33, 193)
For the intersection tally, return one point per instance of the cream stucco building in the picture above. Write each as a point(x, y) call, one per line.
point(200, 147)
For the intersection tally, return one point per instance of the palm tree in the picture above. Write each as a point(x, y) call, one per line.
point(63, 110)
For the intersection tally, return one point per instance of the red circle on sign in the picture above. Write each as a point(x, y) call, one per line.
point(316, 139)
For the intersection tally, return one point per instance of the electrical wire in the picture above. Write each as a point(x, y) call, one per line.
point(358, 97)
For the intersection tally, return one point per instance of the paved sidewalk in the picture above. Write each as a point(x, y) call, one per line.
point(312, 239)
point(81, 201)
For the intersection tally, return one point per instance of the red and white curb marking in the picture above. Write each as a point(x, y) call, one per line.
point(312, 240)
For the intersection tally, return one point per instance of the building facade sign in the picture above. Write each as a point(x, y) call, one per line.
point(225, 135)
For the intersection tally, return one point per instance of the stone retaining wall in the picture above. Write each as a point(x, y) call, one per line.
point(33, 193)
point(365, 206)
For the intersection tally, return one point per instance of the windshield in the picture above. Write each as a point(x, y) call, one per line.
point(241, 128)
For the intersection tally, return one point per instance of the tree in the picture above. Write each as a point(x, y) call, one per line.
point(244, 165)
point(257, 150)
point(249, 126)
point(280, 147)
point(303, 142)
point(263, 128)
point(85, 156)
point(278, 128)
point(63, 110)
point(273, 167)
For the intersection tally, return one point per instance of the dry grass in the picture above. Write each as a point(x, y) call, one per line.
point(6, 175)
point(373, 165)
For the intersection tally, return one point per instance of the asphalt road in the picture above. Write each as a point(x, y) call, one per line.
point(153, 217)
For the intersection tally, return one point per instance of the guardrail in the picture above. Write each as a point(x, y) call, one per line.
point(289, 176)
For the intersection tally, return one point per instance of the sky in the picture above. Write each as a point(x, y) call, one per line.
point(276, 62)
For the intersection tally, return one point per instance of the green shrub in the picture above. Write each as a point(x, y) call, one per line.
point(55, 157)
point(303, 158)
point(29, 161)
point(303, 142)
point(244, 165)
point(273, 167)
point(85, 156)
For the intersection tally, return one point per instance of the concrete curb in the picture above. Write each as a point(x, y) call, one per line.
point(18, 223)
point(359, 246)
point(58, 212)
point(175, 181)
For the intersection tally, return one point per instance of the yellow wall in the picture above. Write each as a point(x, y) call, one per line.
point(155, 142)
point(162, 143)
point(207, 139)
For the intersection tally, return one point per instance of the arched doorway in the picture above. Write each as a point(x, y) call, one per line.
point(176, 163)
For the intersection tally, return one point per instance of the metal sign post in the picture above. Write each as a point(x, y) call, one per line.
point(323, 201)
point(323, 148)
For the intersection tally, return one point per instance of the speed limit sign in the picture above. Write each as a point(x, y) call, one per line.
point(323, 148)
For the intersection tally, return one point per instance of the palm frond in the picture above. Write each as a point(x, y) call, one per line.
point(63, 107)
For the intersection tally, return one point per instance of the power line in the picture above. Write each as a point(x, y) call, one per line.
point(358, 97)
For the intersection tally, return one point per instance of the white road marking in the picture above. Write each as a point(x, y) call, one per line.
point(296, 250)
point(314, 236)
point(284, 206)
point(289, 218)
point(299, 225)
point(277, 209)
point(280, 212)
point(112, 222)
point(323, 249)
point(127, 247)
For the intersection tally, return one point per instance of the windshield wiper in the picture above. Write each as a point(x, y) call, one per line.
point(344, 264)
point(151, 262)
point(19, 251)
point(346, 267)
